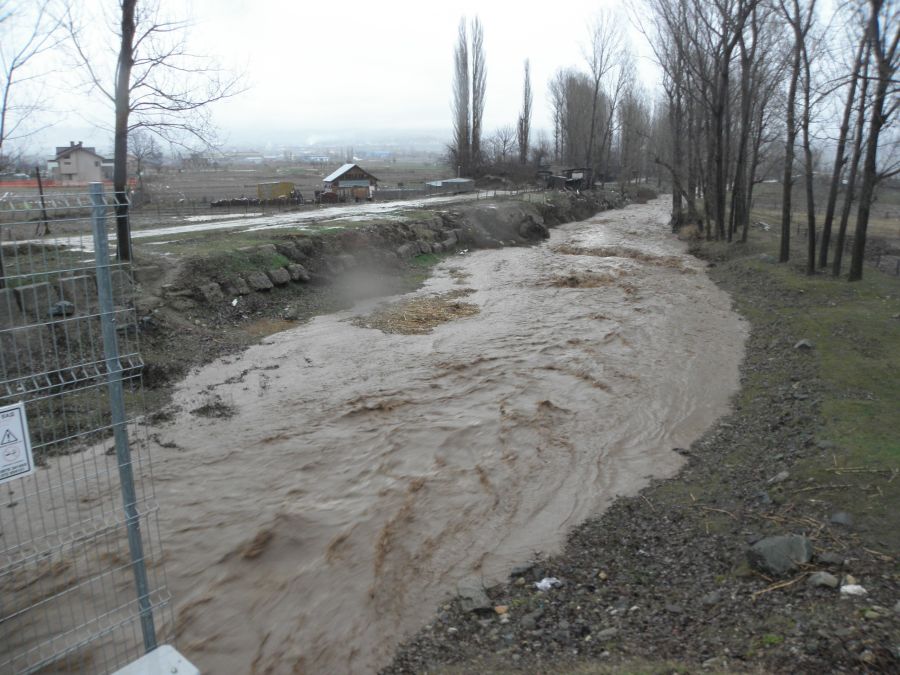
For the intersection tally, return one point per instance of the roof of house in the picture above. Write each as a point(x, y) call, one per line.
point(66, 150)
point(344, 169)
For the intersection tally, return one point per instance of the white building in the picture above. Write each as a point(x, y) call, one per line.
point(78, 165)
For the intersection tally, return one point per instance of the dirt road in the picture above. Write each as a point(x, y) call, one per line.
point(252, 221)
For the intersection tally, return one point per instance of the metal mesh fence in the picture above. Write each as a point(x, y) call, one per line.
point(82, 583)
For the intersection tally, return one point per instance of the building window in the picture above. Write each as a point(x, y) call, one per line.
point(96, 163)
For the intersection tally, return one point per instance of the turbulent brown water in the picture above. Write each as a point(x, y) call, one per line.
point(364, 474)
point(369, 473)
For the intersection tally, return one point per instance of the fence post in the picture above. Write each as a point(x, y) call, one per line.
point(117, 409)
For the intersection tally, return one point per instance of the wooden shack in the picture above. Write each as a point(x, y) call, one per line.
point(351, 182)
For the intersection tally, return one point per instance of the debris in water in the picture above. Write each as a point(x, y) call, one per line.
point(587, 279)
point(417, 316)
point(622, 252)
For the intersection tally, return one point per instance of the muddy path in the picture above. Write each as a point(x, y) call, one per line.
point(354, 478)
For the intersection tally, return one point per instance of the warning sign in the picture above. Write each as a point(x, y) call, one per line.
point(16, 460)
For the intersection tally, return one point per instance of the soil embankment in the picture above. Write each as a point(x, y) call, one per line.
point(323, 491)
point(215, 293)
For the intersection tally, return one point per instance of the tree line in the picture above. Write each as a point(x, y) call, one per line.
point(603, 120)
point(751, 90)
point(748, 83)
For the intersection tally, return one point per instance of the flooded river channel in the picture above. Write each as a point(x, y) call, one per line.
point(363, 475)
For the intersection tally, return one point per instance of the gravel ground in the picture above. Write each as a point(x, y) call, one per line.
point(661, 582)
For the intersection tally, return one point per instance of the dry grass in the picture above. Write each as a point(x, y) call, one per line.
point(418, 316)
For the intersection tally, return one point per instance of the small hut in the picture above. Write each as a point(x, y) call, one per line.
point(351, 181)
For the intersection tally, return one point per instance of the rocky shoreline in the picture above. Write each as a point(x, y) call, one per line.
point(743, 562)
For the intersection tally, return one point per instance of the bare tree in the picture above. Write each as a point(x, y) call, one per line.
point(145, 150)
point(603, 48)
point(808, 165)
point(479, 85)
point(840, 154)
point(523, 129)
point(27, 30)
point(800, 22)
point(557, 95)
point(884, 36)
point(502, 144)
point(858, 137)
point(157, 84)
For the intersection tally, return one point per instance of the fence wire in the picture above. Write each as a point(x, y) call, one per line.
point(81, 570)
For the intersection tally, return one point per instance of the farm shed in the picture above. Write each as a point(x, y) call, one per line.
point(352, 181)
point(451, 185)
point(275, 190)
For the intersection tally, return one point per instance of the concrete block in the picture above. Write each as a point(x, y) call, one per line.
point(36, 300)
point(80, 291)
point(10, 314)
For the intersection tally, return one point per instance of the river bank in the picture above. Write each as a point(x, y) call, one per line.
point(661, 581)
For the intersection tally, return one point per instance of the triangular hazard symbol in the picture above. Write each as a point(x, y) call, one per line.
point(8, 438)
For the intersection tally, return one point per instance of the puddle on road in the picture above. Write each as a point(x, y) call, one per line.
point(364, 474)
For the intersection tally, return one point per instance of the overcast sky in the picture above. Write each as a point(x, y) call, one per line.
point(317, 69)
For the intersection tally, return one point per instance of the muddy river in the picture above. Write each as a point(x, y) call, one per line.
point(364, 475)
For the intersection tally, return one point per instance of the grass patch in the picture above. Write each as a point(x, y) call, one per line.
point(202, 244)
point(855, 330)
point(233, 263)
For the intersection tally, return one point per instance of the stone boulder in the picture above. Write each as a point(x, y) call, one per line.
point(258, 281)
point(236, 286)
point(408, 250)
point(781, 554)
point(211, 292)
point(298, 272)
point(279, 276)
point(472, 597)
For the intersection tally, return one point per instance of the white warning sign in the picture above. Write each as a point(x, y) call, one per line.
point(16, 460)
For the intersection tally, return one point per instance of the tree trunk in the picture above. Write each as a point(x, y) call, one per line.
point(807, 162)
point(884, 63)
point(739, 198)
point(854, 169)
point(788, 182)
point(123, 108)
point(840, 157)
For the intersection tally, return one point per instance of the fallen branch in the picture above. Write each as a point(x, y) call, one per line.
point(779, 585)
point(878, 554)
point(727, 513)
point(859, 469)
point(833, 486)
